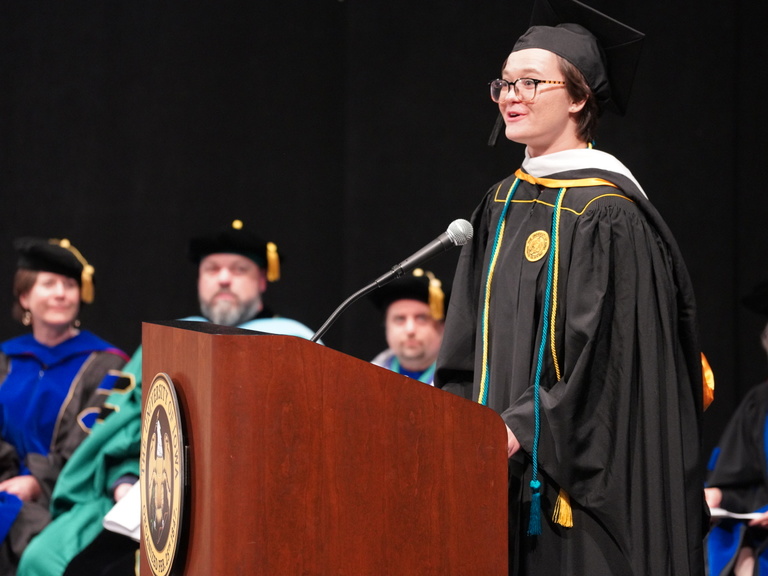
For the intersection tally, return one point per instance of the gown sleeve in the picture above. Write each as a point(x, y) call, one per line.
point(71, 431)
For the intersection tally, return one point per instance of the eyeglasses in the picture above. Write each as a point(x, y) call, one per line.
point(525, 88)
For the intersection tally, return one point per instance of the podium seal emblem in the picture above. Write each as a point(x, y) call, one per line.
point(162, 475)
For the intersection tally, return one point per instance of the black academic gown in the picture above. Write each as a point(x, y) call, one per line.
point(620, 430)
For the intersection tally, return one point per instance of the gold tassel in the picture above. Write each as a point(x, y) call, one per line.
point(436, 298)
point(87, 290)
point(435, 294)
point(273, 263)
point(563, 513)
point(709, 381)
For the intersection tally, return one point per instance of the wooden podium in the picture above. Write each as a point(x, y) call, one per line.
point(302, 460)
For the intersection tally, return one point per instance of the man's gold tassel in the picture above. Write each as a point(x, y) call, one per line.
point(273, 263)
point(563, 513)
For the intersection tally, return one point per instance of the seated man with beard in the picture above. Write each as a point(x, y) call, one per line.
point(235, 267)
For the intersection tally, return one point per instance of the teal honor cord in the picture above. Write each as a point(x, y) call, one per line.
point(534, 524)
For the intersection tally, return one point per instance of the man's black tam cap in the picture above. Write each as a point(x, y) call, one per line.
point(421, 285)
point(604, 50)
point(235, 239)
point(57, 256)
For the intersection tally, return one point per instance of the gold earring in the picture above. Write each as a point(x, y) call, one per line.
point(26, 318)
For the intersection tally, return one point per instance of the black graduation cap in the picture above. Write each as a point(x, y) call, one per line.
point(569, 29)
point(235, 239)
point(59, 257)
point(757, 299)
point(421, 285)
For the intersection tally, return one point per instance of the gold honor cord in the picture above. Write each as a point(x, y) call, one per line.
point(555, 277)
point(563, 513)
point(561, 184)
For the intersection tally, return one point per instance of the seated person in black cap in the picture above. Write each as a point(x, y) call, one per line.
point(234, 269)
point(573, 316)
point(738, 477)
point(52, 384)
point(414, 312)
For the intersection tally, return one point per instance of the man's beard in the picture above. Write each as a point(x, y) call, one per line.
point(229, 312)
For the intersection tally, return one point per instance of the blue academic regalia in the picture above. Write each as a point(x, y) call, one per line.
point(48, 398)
point(739, 467)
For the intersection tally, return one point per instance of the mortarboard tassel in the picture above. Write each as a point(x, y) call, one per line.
point(563, 513)
point(86, 290)
point(497, 127)
point(273, 263)
point(436, 298)
point(86, 276)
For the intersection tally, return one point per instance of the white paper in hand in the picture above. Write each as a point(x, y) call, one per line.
point(125, 516)
point(722, 513)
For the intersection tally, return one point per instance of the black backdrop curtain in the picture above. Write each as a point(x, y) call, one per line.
point(351, 133)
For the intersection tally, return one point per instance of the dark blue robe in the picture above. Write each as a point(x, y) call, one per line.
point(49, 398)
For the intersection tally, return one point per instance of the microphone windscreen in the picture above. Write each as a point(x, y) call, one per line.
point(460, 232)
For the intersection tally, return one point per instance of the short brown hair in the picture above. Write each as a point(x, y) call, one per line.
point(579, 90)
point(23, 282)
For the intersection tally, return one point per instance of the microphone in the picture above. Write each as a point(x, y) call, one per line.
point(459, 232)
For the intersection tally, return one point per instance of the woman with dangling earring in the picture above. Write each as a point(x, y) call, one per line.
point(52, 385)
